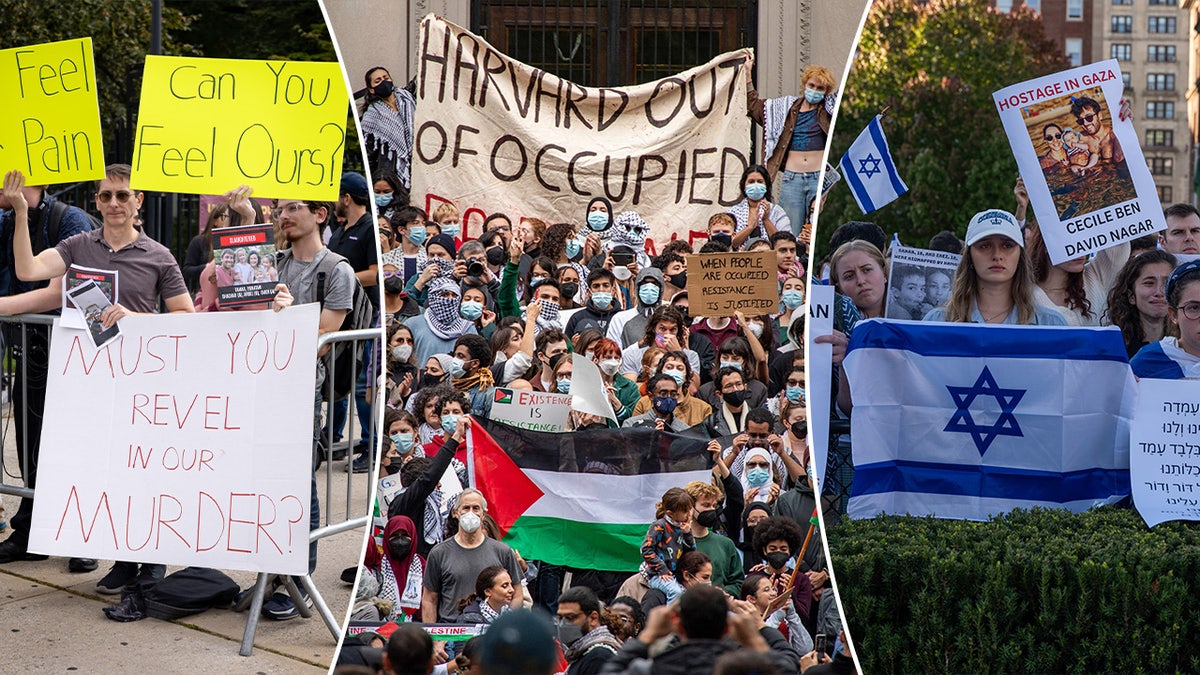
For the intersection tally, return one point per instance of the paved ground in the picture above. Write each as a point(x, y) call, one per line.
point(51, 620)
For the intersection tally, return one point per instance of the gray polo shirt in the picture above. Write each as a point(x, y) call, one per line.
point(146, 270)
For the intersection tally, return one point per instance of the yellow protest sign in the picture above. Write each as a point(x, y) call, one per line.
point(208, 125)
point(50, 122)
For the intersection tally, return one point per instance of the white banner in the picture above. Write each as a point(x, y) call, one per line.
point(188, 441)
point(1088, 182)
point(493, 134)
point(1164, 451)
point(819, 372)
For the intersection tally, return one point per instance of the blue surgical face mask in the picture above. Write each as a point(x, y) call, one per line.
point(449, 422)
point(758, 477)
point(471, 310)
point(676, 375)
point(794, 394)
point(597, 220)
point(813, 96)
point(573, 248)
point(602, 299)
point(383, 200)
point(452, 229)
point(564, 385)
point(404, 442)
point(534, 281)
point(793, 298)
point(456, 367)
point(416, 234)
point(756, 191)
point(731, 364)
point(649, 293)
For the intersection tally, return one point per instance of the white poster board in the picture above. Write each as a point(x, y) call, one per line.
point(1164, 451)
point(1088, 182)
point(818, 367)
point(188, 441)
point(918, 281)
point(533, 410)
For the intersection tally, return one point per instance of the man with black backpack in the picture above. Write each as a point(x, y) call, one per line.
point(357, 242)
point(310, 272)
point(50, 221)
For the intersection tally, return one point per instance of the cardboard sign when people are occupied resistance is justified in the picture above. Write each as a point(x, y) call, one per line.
point(722, 284)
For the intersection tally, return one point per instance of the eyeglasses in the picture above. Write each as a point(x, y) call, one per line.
point(1086, 119)
point(107, 196)
point(756, 465)
point(667, 394)
point(293, 208)
point(1052, 137)
point(1190, 310)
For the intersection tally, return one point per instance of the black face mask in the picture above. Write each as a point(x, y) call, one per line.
point(428, 380)
point(777, 559)
point(722, 238)
point(734, 398)
point(495, 256)
point(393, 285)
point(678, 280)
point(399, 547)
point(393, 468)
point(384, 89)
point(569, 290)
point(709, 518)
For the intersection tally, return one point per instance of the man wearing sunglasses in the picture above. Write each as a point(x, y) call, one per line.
point(50, 221)
point(147, 273)
point(1101, 142)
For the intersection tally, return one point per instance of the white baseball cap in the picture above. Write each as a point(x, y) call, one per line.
point(994, 221)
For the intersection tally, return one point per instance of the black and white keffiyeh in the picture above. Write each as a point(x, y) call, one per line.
point(442, 314)
point(388, 133)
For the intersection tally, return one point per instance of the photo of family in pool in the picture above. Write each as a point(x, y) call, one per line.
point(1079, 154)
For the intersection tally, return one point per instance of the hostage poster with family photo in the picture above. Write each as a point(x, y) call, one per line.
point(919, 280)
point(1088, 182)
point(245, 265)
point(105, 281)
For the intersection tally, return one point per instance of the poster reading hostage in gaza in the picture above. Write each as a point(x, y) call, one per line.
point(208, 125)
point(179, 442)
point(495, 135)
point(1088, 183)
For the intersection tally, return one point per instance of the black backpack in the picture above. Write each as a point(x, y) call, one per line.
point(190, 591)
point(53, 224)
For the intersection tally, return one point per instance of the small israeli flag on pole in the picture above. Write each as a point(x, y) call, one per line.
point(869, 170)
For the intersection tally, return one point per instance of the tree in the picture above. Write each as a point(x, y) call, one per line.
point(935, 66)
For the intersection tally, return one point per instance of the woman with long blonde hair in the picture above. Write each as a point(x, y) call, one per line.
point(994, 281)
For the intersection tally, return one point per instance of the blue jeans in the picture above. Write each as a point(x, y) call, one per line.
point(669, 586)
point(796, 195)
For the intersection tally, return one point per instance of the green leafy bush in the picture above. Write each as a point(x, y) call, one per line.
point(1041, 591)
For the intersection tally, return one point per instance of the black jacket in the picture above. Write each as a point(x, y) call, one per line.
point(412, 501)
point(696, 656)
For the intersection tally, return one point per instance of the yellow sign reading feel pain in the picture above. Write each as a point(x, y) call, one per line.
point(50, 122)
point(208, 125)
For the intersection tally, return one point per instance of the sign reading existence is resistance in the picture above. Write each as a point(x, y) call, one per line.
point(208, 125)
point(187, 441)
point(50, 120)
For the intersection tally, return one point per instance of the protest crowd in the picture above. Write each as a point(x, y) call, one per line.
point(731, 576)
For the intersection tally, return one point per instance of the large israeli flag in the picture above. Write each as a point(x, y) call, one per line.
point(969, 421)
point(869, 170)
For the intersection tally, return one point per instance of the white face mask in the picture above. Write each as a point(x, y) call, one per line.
point(622, 273)
point(610, 366)
point(402, 352)
point(469, 522)
point(755, 328)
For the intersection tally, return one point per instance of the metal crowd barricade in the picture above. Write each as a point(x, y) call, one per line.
point(14, 328)
point(366, 342)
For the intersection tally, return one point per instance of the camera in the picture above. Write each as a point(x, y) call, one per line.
point(475, 268)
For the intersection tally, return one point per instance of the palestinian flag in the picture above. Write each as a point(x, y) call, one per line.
point(582, 499)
